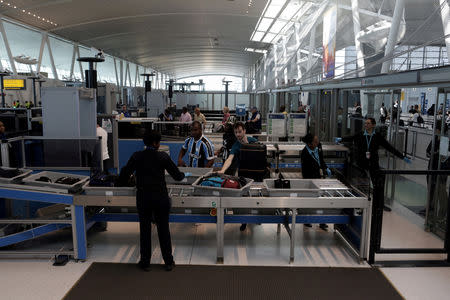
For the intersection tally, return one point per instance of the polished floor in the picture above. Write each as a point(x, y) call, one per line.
point(195, 244)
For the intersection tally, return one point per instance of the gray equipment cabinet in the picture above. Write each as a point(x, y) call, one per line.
point(69, 112)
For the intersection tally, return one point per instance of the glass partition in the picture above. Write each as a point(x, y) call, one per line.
point(38, 152)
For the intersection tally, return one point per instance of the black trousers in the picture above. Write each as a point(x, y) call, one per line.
point(155, 207)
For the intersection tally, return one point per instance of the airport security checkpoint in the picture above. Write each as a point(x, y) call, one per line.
point(323, 146)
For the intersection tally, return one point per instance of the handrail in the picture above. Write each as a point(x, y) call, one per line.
point(415, 172)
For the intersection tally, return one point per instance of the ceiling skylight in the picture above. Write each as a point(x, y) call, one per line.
point(277, 17)
point(274, 8)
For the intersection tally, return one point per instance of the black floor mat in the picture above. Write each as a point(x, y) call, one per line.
point(126, 281)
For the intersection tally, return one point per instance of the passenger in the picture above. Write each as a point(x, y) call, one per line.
point(199, 117)
point(2, 131)
point(383, 113)
point(233, 158)
point(226, 115)
point(152, 198)
point(198, 147)
point(228, 141)
point(104, 145)
point(313, 164)
point(430, 111)
point(366, 145)
point(357, 108)
point(166, 116)
point(283, 109)
point(241, 138)
point(253, 125)
point(185, 116)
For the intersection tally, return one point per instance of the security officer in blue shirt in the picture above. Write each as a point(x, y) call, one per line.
point(125, 111)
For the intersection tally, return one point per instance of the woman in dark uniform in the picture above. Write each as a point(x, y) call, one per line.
point(152, 197)
point(313, 165)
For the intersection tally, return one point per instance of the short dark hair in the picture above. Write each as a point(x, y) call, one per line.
point(308, 138)
point(239, 124)
point(372, 120)
point(151, 137)
point(185, 109)
point(196, 122)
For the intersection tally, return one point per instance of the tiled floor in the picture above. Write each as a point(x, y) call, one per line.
point(196, 244)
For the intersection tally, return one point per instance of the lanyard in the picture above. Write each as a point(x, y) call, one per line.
point(368, 141)
point(314, 154)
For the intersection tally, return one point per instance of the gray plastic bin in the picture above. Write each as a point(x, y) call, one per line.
point(54, 176)
point(299, 188)
point(24, 172)
point(219, 191)
point(196, 173)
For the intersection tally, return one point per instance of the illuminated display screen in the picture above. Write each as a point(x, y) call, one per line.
point(14, 84)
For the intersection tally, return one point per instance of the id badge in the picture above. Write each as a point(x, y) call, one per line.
point(368, 155)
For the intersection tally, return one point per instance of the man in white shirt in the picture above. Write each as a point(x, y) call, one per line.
point(104, 144)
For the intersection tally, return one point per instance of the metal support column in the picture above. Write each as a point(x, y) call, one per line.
point(312, 39)
point(220, 234)
point(294, 220)
point(226, 83)
point(445, 10)
point(356, 30)
point(79, 232)
point(72, 64)
point(393, 34)
point(52, 61)
point(41, 53)
point(433, 147)
point(80, 64)
point(8, 49)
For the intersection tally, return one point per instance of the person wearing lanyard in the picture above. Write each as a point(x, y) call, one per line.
point(366, 145)
point(313, 164)
point(199, 148)
point(152, 198)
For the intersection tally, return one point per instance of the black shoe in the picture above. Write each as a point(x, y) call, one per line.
point(169, 267)
point(323, 227)
point(243, 226)
point(307, 225)
point(386, 208)
point(144, 266)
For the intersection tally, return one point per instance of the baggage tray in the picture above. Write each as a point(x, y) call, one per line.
point(108, 190)
point(329, 184)
point(299, 188)
point(219, 191)
point(24, 173)
point(54, 176)
point(196, 173)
